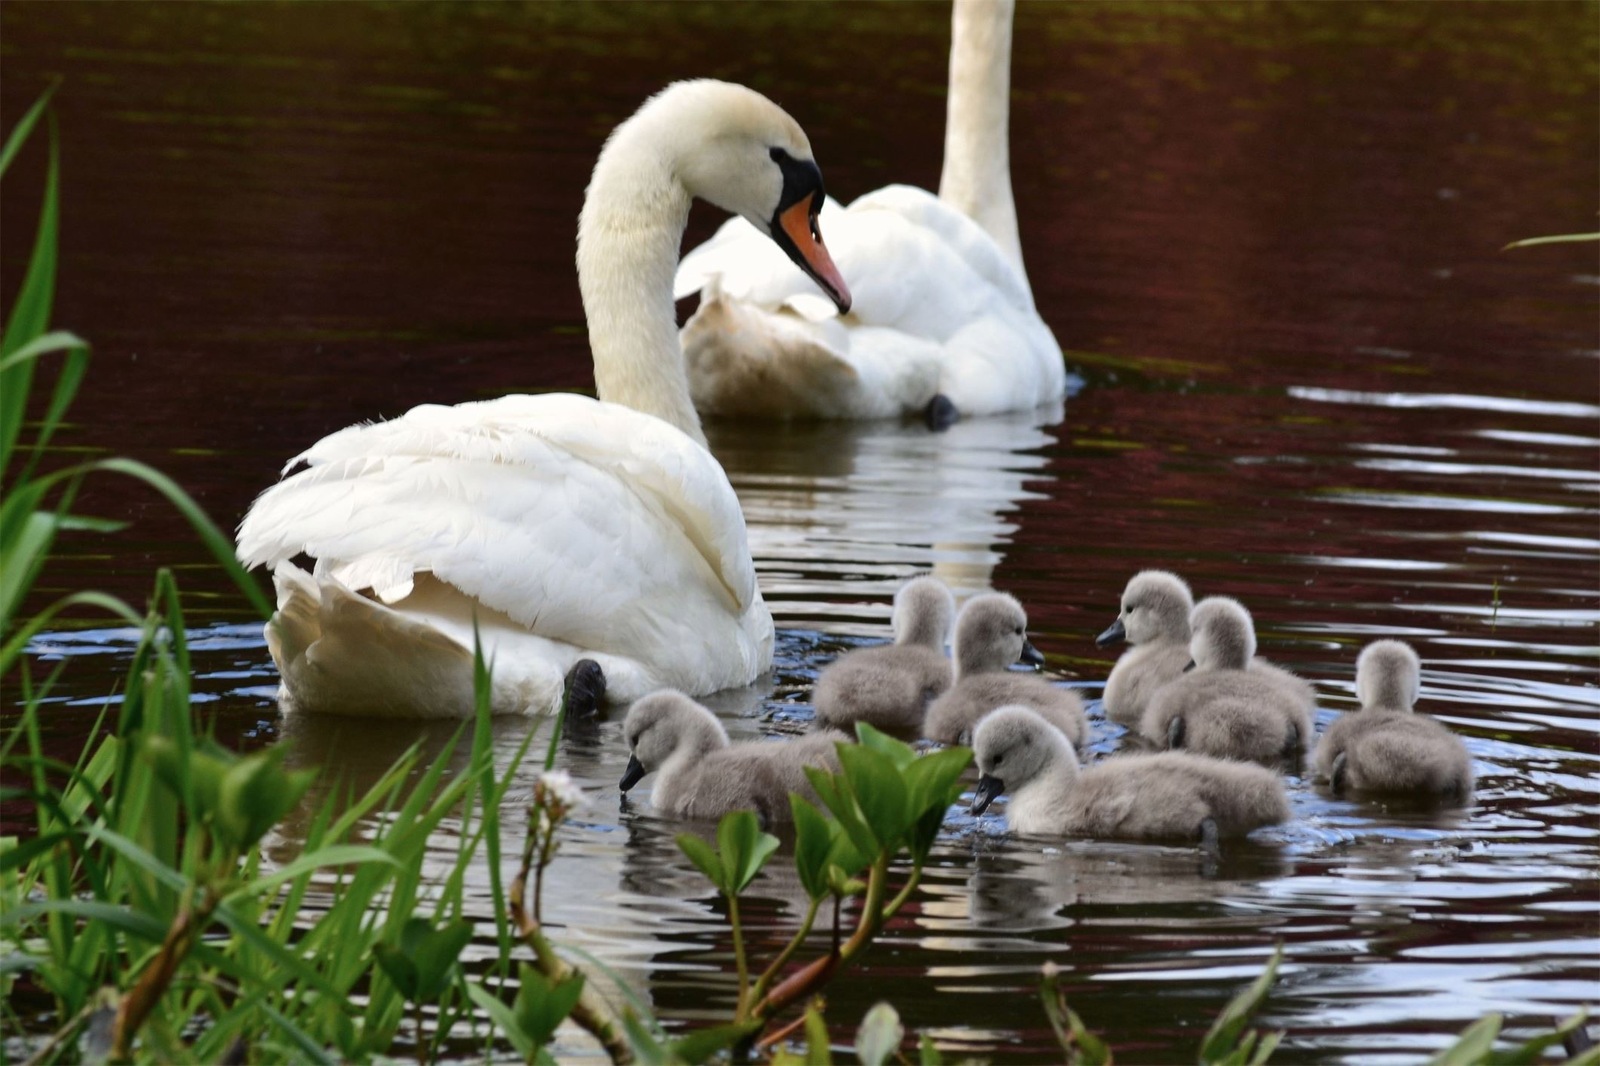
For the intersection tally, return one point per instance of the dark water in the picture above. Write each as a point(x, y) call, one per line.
point(1305, 375)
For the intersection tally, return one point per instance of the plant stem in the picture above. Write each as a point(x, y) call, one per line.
point(738, 957)
point(136, 1006)
point(905, 893)
point(816, 974)
point(765, 981)
point(422, 1040)
point(591, 1011)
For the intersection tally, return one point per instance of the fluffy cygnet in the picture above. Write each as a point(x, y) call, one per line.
point(701, 775)
point(1154, 620)
point(1223, 707)
point(890, 687)
point(1174, 796)
point(1387, 747)
point(991, 634)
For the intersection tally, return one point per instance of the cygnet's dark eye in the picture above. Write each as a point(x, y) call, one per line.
point(998, 759)
point(1018, 631)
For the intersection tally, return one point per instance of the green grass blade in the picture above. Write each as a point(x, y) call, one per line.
point(30, 313)
point(221, 545)
point(19, 132)
point(1560, 238)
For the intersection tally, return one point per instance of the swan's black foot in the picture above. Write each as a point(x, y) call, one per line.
point(940, 414)
point(585, 687)
point(1337, 774)
point(1210, 838)
point(1175, 734)
point(1291, 750)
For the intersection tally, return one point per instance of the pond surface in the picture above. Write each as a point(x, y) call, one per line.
point(1304, 374)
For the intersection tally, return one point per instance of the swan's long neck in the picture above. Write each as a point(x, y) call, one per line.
point(632, 222)
point(977, 163)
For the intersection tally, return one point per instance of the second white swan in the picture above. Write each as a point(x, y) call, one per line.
point(943, 319)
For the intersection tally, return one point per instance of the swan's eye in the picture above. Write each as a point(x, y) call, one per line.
point(998, 759)
point(1018, 631)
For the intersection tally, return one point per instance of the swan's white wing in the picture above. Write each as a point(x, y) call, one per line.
point(937, 307)
point(589, 523)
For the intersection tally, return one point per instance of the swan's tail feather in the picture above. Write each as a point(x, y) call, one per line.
point(296, 624)
point(342, 653)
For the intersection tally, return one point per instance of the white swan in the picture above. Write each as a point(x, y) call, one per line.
point(564, 527)
point(943, 306)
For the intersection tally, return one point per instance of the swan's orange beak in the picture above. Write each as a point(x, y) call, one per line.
point(799, 224)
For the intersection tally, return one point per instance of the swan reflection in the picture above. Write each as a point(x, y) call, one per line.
point(851, 510)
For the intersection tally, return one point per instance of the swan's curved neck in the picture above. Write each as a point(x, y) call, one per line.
point(976, 179)
point(632, 222)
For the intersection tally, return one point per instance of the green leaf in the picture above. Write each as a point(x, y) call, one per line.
point(897, 752)
point(256, 793)
point(1473, 1045)
point(1533, 1050)
point(504, 1019)
point(397, 964)
point(705, 857)
point(704, 1044)
point(542, 1003)
point(744, 847)
point(813, 840)
point(1225, 1031)
point(818, 1051)
point(880, 793)
point(835, 794)
point(880, 1035)
point(645, 1046)
point(435, 952)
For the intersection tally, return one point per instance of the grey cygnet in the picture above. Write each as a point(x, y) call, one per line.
point(991, 634)
point(1386, 746)
point(1169, 796)
point(701, 775)
point(890, 687)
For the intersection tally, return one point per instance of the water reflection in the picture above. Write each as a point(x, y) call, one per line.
point(842, 509)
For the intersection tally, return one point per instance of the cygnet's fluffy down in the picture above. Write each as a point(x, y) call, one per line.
point(1386, 747)
point(991, 634)
point(1170, 796)
point(1222, 707)
point(890, 687)
point(701, 775)
point(1154, 620)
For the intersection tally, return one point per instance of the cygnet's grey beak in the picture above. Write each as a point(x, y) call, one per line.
point(633, 773)
point(1115, 635)
point(1031, 655)
point(1191, 666)
point(989, 789)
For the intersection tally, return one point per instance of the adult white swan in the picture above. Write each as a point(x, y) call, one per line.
point(566, 527)
point(942, 303)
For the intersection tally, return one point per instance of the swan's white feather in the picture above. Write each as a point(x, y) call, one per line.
point(567, 526)
point(937, 308)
